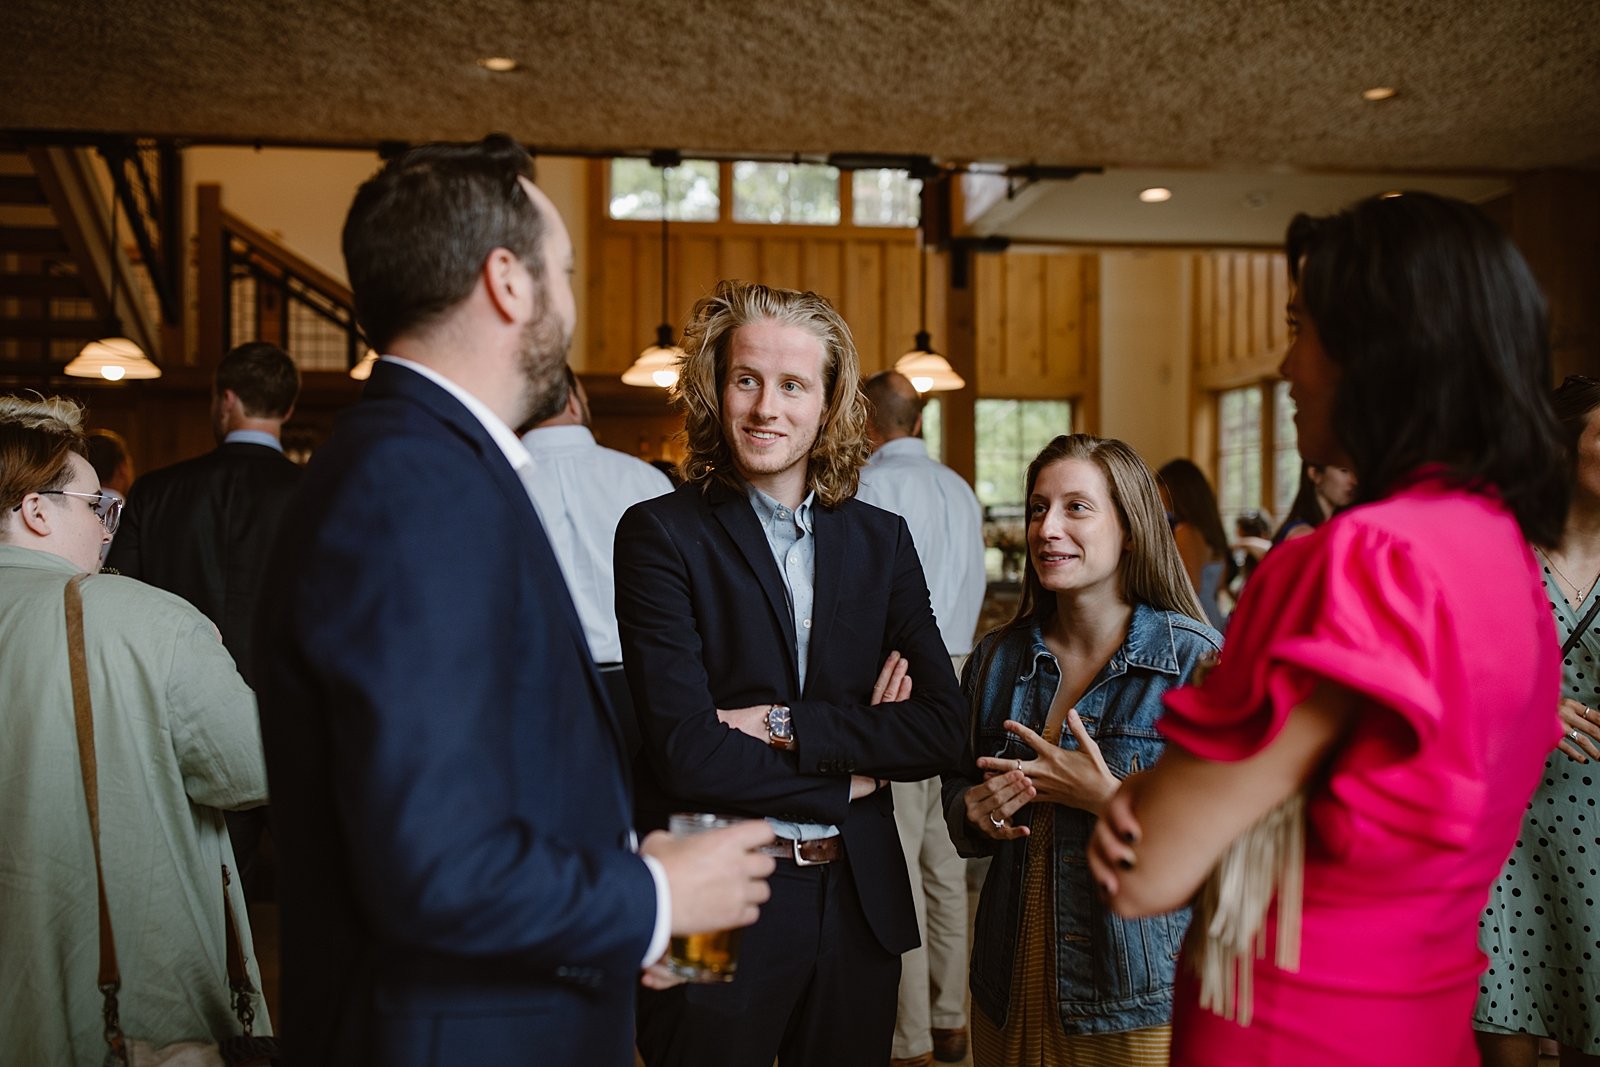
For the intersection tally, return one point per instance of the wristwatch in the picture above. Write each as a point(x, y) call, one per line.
point(780, 731)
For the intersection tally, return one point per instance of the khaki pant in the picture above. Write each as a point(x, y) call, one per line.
point(933, 978)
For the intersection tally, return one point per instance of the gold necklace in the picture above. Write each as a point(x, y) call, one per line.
point(1580, 594)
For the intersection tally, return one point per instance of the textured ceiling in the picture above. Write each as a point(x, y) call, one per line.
point(1497, 85)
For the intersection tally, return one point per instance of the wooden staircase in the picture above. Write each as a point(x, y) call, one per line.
point(56, 259)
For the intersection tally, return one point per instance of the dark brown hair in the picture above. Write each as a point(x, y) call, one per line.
point(420, 230)
point(264, 378)
point(1441, 334)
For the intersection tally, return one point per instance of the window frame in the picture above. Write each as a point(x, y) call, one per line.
point(1272, 396)
point(725, 219)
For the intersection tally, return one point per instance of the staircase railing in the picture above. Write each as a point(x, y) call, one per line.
point(73, 188)
point(147, 177)
point(253, 288)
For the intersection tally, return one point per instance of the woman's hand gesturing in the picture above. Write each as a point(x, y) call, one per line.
point(1077, 778)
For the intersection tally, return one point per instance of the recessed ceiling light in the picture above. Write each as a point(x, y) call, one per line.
point(498, 64)
point(1156, 194)
point(1378, 92)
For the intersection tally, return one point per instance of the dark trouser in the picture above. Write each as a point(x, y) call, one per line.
point(814, 987)
point(245, 829)
point(616, 683)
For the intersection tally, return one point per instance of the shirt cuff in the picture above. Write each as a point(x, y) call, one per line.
point(663, 929)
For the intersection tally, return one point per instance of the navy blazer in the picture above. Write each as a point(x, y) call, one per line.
point(705, 624)
point(203, 529)
point(448, 798)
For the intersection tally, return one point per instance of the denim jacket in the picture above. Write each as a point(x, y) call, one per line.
point(1113, 974)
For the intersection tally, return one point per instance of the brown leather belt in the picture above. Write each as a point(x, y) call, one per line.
point(806, 853)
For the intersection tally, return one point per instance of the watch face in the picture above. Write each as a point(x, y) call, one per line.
point(778, 722)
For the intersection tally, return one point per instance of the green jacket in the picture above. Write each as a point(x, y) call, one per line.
point(177, 739)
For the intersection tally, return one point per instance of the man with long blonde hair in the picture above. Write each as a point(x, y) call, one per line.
point(756, 605)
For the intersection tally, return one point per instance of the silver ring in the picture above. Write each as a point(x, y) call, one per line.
point(1019, 765)
point(998, 824)
point(1574, 734)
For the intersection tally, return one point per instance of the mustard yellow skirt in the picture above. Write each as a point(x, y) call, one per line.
point(1032, 1036)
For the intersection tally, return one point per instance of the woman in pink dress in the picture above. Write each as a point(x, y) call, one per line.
point(1343, 788)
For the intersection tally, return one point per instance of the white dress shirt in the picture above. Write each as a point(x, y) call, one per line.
point(946, 523)
point(581, 491)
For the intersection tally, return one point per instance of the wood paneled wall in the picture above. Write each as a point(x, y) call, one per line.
point(870, 276)
point(1240, 329)
point(1038, 324)
point(1036, 316)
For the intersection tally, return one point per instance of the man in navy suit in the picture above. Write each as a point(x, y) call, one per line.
point(456, 878)
point(756, 604)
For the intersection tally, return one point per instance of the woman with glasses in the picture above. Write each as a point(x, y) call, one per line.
point(175, 741)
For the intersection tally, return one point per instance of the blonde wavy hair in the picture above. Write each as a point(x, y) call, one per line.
point(833, 470)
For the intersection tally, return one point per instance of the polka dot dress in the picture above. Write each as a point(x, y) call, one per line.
point(1541, 930)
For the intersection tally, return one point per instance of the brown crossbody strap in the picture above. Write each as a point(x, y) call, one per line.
point(83, 722)
point(110, 977)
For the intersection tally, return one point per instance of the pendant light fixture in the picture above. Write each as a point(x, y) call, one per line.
point(657, 365)
point(113, 358)
point(928, 370)
point(363, 368)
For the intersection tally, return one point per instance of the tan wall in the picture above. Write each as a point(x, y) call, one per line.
point(299, 196)
point(1144, 352)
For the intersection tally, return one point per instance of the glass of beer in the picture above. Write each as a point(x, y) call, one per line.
point(703, 957)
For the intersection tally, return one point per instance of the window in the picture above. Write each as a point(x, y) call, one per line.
point(805, 193)
point(1009, 434)
point(1285, 452)
point(1238, 452)
point(885, 198)
point(693, 190)
point(933, 428)
point(1251, 420)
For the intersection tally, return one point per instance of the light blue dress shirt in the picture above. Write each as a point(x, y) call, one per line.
point(794, 548)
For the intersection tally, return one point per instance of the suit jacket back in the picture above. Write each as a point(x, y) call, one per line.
point(203, 528)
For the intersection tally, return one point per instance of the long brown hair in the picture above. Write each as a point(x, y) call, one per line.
point(834, 468)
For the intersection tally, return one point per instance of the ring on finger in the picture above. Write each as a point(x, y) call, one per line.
point(998, 824)
point(1574, 734)
point(1019, 765)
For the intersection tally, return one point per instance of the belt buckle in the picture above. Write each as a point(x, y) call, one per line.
point(801, 861)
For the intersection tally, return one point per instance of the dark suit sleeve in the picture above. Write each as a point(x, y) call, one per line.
point(696, 757)
point(908, 740)
point(432, 722)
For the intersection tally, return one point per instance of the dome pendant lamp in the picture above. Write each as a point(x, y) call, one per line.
point(113, 358)
point(928, 370)
point(657, 365)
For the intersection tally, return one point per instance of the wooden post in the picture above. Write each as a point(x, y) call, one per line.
point(960, 407)
point(210, 329)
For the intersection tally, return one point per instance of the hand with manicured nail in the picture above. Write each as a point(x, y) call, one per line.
point(1111, 846)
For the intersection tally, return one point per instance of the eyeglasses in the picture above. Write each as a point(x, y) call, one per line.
point(107, 507)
